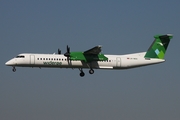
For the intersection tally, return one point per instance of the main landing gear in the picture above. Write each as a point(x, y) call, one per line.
point(81, 72)
point(14, 69)
point(91, 71)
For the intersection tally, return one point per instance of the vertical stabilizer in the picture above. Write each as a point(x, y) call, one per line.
point(159, 46)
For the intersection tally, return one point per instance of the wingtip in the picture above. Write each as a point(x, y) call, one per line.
point(170, 35)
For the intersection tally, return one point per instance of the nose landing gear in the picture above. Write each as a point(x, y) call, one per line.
point(14, 69)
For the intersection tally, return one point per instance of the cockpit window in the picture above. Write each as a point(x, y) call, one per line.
point(20, 56)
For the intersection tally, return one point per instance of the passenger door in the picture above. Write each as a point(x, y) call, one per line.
point(32, 59)
point(118, 62)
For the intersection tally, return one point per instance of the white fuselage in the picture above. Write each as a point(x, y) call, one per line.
point(60, 61)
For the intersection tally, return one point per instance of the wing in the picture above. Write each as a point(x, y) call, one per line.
point(95, 50)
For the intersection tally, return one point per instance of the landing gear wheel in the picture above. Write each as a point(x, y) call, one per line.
point(91, 71)
point(14, 69)
point(82, 74)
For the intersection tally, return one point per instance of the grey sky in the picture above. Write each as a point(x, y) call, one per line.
point(121, 27)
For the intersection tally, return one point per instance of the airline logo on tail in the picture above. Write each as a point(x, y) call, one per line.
point(158, 47)
point(157, 52)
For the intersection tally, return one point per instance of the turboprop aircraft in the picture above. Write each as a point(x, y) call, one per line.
point(94, 59)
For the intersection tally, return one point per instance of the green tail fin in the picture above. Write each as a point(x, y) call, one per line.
point(159, 46)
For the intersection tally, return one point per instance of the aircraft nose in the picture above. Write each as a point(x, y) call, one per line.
point(9, 63)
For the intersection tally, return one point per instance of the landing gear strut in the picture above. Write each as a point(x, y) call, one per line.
point(14, 69)
point(81, 72)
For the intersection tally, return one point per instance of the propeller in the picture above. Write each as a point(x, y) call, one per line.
point(67, 54)
point(59, 51)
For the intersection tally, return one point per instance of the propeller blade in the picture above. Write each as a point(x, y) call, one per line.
point(68, 49)
point(67, 54)
point(59, 51)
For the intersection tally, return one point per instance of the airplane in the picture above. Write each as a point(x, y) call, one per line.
point(94, 59)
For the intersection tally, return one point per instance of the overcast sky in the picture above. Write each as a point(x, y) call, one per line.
point(121, 27)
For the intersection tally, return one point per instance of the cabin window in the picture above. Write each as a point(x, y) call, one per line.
point(109, 60)
point(46, 58)
point(40, 58)
point(59, 59)
point(37, 58)
point(43, 58)
point(51, 58)
point(62, 59)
